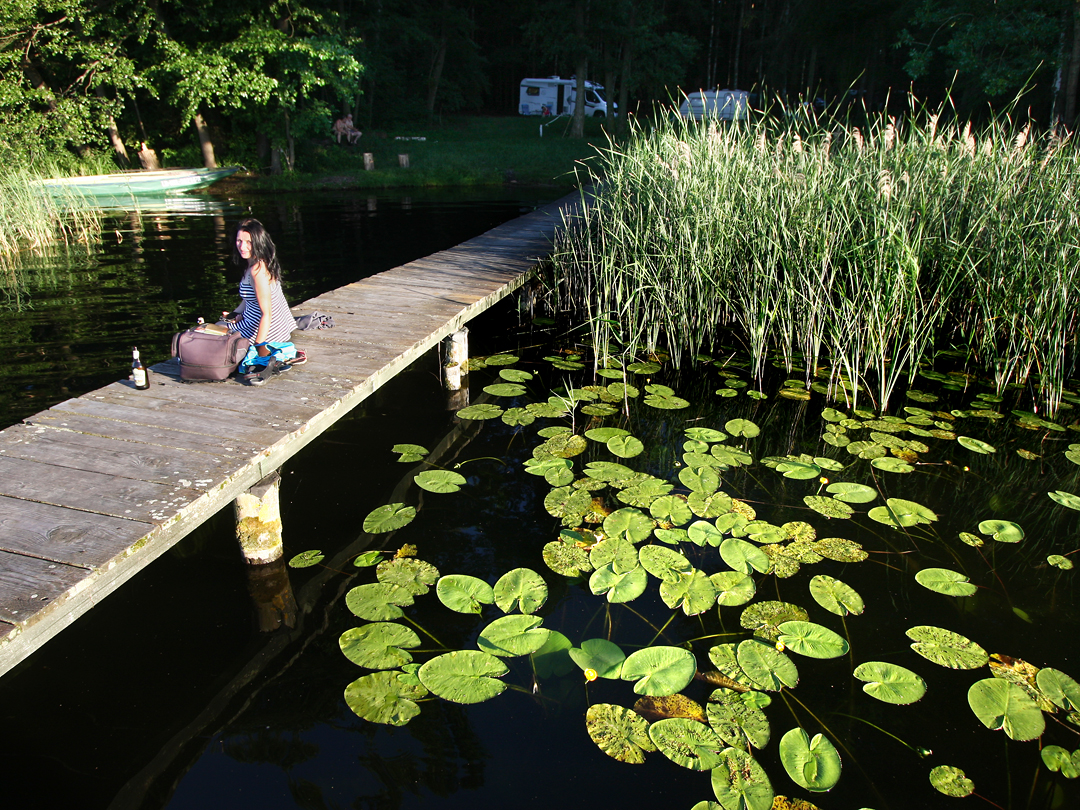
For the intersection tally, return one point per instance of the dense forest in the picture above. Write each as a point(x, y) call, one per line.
point(251, 79)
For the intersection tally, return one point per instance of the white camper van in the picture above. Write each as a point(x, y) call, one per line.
point(555, 96)
point(726, 105)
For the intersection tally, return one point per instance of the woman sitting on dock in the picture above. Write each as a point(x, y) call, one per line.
point(264, 317)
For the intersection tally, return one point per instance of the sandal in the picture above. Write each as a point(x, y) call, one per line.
point(299, 360)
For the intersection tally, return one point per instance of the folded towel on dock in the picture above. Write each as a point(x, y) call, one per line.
point(316, 320)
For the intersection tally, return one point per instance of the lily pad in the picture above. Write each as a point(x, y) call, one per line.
point(743, 556)
point(553, 659)
point(1000, 704)
point(694, 593)
point(603, 434)
point(516, 375)
point(740, 783)
point(851, 493)
point(951, 781)
point(1059, 688)
point(379, 645)
point(598, 654)
point(409, 573)
point(836, 596)
point(665, 563)
point(464, 676)
point(812, 640)
point(483, 411)
point(671, 509)
point(619, 732)
point(976, 445)
point(742, 427)
point(737, 718)
point(510, 636)
point(463, 593)
point(522, 588)
point(306, 559)
point(633, 524)
point(701, 479)
point(812, 763)
point(890, 464)
point(625, 446)
point(662, 397)
point(618, 587)
point(410, 452)
point(687, 742)
point(1004, 531)
point(942, 580)
point(829, 507)
point(508, 389)
point(946, 648)
point(1065, 499)
point(765, 618)
point(1059, 760)
point(705, 434)
point(566, 559)
point(384, 697)
point(733, 588)
point(659, 670)
point(798, 470)
point(556, 471)
point(1059, 561)
point(378, 601)
point(766, 666)
point(890, 683)
point(516, 417)
point(388, 517)
point(442, 481)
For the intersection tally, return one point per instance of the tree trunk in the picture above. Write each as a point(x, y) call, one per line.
point(578, 129)
point(623, 121)
point(118, 144)
point(1073, 78)
point(291, 141)
point(205, 143)
point(436, 74)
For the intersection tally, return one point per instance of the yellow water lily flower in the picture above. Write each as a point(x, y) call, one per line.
point(591, 675)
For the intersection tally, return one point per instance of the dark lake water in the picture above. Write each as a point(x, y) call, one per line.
point(175, 692)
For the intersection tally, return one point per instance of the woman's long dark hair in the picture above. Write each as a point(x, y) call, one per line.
point(262, 247)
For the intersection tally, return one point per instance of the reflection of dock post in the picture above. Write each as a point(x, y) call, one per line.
point(258, 521)
point(271, 592)
point(455, 368)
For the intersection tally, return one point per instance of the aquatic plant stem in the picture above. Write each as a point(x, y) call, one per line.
point(425, 632)
point(922, 753)
point(660, 632)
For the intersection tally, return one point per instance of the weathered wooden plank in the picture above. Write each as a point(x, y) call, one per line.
point(57, 534)
point(91, 491)
point(203, 421)
point(28, 584)
point(165, 437)
point(130, 459)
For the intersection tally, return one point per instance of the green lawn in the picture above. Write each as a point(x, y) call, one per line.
point(462, 151)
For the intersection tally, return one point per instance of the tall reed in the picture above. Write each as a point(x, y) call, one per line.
point(33, 220)
point(863, 249)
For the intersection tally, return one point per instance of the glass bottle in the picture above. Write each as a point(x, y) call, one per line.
point(140, 374)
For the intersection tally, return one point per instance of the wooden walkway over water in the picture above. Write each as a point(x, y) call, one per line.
point(97, 487)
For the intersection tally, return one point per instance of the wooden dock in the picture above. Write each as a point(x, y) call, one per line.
point(97, 487)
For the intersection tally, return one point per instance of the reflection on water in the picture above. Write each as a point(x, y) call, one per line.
point(70, 320)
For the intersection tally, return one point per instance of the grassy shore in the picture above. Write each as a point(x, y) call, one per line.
point(467, 151)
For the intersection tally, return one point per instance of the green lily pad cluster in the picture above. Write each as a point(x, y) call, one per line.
point(623, 532)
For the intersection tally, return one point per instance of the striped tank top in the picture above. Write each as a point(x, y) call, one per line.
point(282, 322)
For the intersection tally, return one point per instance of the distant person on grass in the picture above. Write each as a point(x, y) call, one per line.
point(263, 317)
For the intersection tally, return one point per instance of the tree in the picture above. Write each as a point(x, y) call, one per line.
point(993, 48)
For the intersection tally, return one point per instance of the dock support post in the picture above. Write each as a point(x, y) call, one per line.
point(456, 354)
point(258, 521)
point(369, 161)
point(403, 161)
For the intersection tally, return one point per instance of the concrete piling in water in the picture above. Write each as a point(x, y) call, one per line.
point(258, 521)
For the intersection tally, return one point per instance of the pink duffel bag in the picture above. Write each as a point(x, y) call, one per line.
point(208, 352)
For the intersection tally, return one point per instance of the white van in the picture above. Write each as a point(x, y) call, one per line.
point(726, 105)
point(556, 96)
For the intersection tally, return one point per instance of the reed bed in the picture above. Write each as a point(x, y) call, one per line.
point(33, 221)
point(859, 251)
